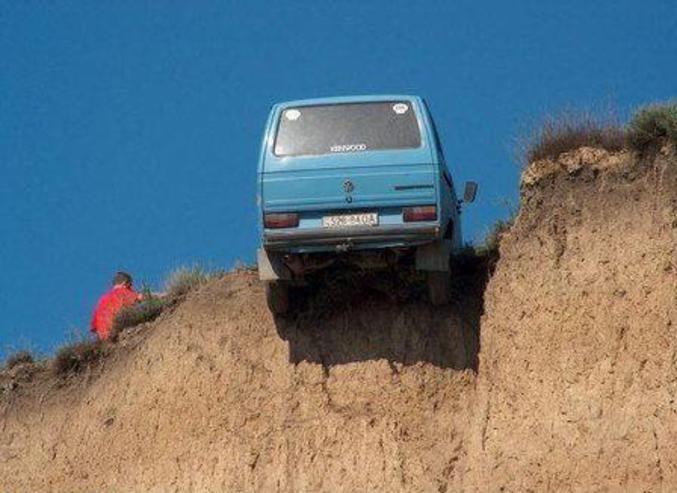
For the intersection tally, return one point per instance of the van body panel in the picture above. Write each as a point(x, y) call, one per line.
point(382, 181)
point(371, 186)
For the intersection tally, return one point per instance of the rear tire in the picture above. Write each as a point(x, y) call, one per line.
point(439, 287)
point(277, 297)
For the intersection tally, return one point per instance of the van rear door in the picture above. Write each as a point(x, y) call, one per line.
point(349, 155)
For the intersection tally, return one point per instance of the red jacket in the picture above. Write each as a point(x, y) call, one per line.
point(108, 306)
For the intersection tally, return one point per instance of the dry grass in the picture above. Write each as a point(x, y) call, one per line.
point(569, 131)
point(19, 358)
point(75, 357)
point(185, 279)
point(649, 128)
point(241, 266)
point(653, 125)
point(178, 284)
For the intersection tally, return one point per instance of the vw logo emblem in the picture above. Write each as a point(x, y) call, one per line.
point(348, 186)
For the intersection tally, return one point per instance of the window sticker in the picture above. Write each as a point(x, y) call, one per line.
point(348, 148)
point(292, 115)
point(400, 108)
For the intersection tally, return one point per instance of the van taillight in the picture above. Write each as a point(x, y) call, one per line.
point(276, 220)
point(421, 213)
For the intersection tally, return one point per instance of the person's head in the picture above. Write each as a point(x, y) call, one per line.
point(122, 279)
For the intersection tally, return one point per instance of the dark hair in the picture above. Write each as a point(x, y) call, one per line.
point(122, 278)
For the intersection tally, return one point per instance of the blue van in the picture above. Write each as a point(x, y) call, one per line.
point(362, 179)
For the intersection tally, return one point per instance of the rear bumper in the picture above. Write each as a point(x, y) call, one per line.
point(410, 234)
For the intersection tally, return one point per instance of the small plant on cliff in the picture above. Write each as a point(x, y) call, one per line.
point(76, 357)
point(185, 279)
point(18, 358)
point(492, 241)
point(569, 131)
point(178, 284)
point(653, 125)
point(242, 266)
point(145, 311)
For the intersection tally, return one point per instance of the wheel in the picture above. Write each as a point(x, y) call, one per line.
point(439, 287)
point(277, 297)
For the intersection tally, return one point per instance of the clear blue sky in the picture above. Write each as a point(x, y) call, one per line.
point(129, 130)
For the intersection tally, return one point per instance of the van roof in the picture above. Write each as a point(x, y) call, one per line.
point(347, 99)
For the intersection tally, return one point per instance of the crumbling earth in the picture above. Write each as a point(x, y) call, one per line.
point(559, 374)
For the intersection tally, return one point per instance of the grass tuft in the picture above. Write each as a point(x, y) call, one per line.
point(76, 357)
point(185, 279)
point(177, 286)
point(242, 266)
point(569, 131)
point(19, 358)
point(653, 125)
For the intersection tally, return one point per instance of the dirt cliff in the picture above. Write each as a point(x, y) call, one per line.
point(217, 396)
point(577, 381)
point(558, 374)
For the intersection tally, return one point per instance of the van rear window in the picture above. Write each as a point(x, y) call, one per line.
point(348, 127)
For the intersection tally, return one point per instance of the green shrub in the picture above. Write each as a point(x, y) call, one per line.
point(185, 279)
point(652, 125)
point(569, 131)
point(144, 311)
point(76, 357)
point(18, 358)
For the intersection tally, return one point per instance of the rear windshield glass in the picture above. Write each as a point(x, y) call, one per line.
point(351, 127)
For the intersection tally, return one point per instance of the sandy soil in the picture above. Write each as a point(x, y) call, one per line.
point(566, 382)
point(577, 377)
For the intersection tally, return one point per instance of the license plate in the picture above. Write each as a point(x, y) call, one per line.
point(349, 220)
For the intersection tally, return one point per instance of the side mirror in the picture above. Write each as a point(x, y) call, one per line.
point(470, 192)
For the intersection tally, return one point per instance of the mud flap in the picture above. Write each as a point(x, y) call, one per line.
point(434, 257)
point(271, 266)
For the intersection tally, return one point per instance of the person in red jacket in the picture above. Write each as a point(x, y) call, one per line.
point(109, 304)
